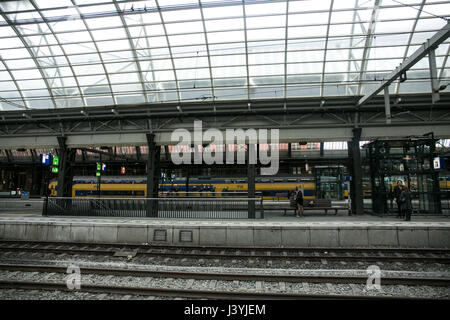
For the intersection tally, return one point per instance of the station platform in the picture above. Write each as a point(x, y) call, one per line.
point(275, 230)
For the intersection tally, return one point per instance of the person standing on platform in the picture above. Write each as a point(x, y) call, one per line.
point(299, 200)
point(397, 191)
point(405, 203)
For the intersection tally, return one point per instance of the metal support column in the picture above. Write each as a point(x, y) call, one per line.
point(251, 188)
point(153, 174)
point(356, 169)
point(435, 177)
point(65, 174)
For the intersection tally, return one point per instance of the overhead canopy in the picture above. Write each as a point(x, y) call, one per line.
point(81, 53)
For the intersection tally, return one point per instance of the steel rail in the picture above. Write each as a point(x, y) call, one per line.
point(430, 281)
point(204, 247)
point(233, 256)
point(186, 293)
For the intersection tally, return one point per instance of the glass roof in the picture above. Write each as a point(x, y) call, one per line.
point(81, 53)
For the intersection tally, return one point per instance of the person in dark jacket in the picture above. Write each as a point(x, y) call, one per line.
point(299, 200)
point(397, 191)
point(405, 203)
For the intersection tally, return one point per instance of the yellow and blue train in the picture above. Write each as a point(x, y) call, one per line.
point(278, 187)
point(136, 186)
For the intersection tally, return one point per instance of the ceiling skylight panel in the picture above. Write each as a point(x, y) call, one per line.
point(48, 39)
point(187, 39)
point(26, 74)
point(226, 24)
point(227, 36)
point(438, 9)
point(403, 12)
point(265, 8)
point(309, 5)
point(383, 64)
point(263, 70)
point(265, 22)
point(181, 15)
point(108, 22)
point(302, 68)
point(197, 62)
point(89, 69)
point(307, 19)
point(223, 12)
point(14, 53)
point(80, 48)
point(307, 32)
point(192, 73)
point(11, 43)
point(72, 25)
point(124, 77)
point(109, 34)
point(265, 34)
point(430, 24)
point(162, 75)
point(120, 67)
point(340, 30)
point(84, 58)
point(31, 84)
point(6, 31)
point(69, 12)
point(22, 63)
point(184, 27)
point(305, 56)
point(114, 45)
point(394, 26)
point(230, 60)
point(266, 58)
point(7, 6)
point(74, 37)
point(226, 72)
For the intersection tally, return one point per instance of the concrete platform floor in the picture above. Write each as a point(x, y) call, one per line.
point(270, 216)
point(276, 230)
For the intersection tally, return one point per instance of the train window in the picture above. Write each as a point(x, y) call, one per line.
point(278, 180)
point(139, 193)
point(265, 180)
point(292, 180)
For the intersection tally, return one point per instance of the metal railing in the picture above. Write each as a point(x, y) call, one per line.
point(184, 208)
point(422, 203)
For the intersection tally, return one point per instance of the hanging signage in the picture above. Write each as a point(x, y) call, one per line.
point(44, 159)
point(55, 161)
point(438, 163)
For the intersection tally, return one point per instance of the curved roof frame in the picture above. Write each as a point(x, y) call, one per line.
point(302, 49)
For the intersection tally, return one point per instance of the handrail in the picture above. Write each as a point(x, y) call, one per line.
point(174, 198)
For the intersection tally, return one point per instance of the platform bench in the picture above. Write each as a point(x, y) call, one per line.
point(315, 204)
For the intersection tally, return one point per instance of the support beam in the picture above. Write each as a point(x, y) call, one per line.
point(153, 174)
point(356, 170)
point(435, 97)
point(425, 49)
point(387, 105)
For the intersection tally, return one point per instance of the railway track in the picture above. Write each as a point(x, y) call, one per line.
point(431, 281)
point(186, 293)
point(143, 278)
point(311, 254)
